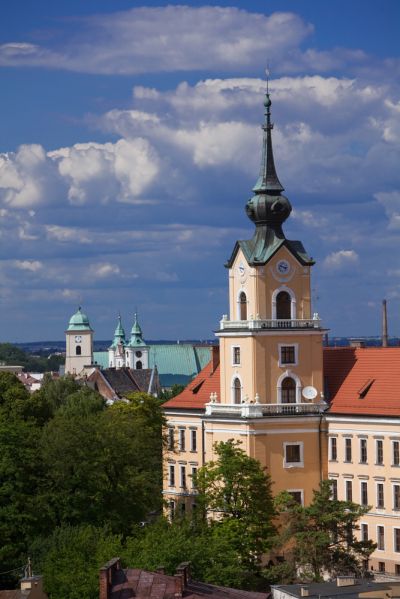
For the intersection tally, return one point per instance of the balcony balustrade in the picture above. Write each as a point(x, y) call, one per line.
point(258, 410)
point(267, 324)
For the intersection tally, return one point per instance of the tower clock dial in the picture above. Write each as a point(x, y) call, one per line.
point(283, 267)
point(78, 338)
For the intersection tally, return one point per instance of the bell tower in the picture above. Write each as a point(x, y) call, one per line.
point(79, 343)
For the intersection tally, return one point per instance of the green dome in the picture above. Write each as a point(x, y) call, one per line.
point(79, 322)
point(119, 335)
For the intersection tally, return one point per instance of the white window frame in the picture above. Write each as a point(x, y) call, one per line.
point(363, 482)
point(361, 440)
point(361, 530)
point(236, 376)
point(299, 464)
point(181, 438)
point(348, 480)
point(291, 375)
point(395, 484)
point(377, 537)
point(233, 355)
point(332, 459)
point(394, 540)
point(296, 354)
point(334, 480)
point(398, 445)
point(293, 308)
point(377, 441)
point(171, 475)
point(301, 491)
point(193, 436)
point(194, 472)
point(379, 482)
point(345, 460)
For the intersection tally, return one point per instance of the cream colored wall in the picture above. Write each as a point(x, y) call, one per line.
point(372, 429)
point(260, 371)
point(74, 364)
point(260, 282)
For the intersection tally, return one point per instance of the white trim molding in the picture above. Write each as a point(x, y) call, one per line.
point(288, 374)
point(293, 308)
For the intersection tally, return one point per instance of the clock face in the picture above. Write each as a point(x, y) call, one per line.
point(283, 267)
point(241, 269)
point(78, 338)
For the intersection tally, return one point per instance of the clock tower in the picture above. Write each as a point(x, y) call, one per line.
point(79, 343)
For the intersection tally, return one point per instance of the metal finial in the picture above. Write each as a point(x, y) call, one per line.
point(267, 73)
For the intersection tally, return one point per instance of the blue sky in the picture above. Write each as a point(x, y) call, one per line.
point(130, 141)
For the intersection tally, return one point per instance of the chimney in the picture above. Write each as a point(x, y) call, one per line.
point(304, 592)
point(32, 582)
point(357, 343)
point(215, 357)
point(178, 586)
point(384, 325)
point(345, 581)
point(106, 577)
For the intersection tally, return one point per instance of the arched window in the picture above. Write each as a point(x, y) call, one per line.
point(78, 350)
point(237, 391)
point(288, 392)
point(243, 306)
point(283, 305)
point(139, 365)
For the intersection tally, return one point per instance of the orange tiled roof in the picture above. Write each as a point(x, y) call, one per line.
point(197, 393)
point(363, 380)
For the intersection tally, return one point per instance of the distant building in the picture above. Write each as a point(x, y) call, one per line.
point(114, 384)
point(344, 587)
point(31, 587)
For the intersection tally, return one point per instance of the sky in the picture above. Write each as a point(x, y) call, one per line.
point(130, 141)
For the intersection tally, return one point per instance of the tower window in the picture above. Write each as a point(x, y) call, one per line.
point(283, 306)
point(243, 306)
point(78, 350)
point(139, 365)
point(237, 391)
point(293, 455)
point(138, 354)
point(288, 393)
point(236, 355)
point(288, 354)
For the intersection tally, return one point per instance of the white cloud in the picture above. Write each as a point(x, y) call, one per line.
point(341, 259)
point(104, 270)
point(29, 265)
point(390, 200)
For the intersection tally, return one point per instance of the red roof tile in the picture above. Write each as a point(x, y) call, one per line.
point(197, 393)
point(363, 380)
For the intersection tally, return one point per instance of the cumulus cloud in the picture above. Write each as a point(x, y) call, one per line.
point(390, 200)
point(29, 265)
point(341, 259)
point(104, 270)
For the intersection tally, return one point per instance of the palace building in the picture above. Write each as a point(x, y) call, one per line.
point(273, 386)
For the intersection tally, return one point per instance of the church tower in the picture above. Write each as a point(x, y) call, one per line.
point(137, 352)
point(79, 343)
point(116, 351)
point(271, 344)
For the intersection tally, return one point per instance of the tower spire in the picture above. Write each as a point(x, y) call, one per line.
point(267, 181)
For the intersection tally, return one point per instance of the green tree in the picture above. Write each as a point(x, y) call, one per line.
point(70, 559)
point(236, 492)
point(167, 394)
point(320, 538)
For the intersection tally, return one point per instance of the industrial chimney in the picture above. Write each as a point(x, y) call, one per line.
point(384, 325)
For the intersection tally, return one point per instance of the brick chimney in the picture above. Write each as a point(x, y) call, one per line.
point(106, 576)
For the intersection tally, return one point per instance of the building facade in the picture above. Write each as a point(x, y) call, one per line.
point(79, 343)
point(268, 390)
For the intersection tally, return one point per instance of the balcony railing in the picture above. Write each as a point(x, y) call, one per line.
point(261, 324)
point(258, 410)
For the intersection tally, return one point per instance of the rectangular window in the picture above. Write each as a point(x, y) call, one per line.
point(194, 474)
point(236, 355)
point(349, 490)
point(380, 498)
point(171, 509)
point(379, 452)
point(347, 449)
point(183, 476)
point(396, 453)
point(333, 448)
point(193, 440)
point(293, 454)
point(396, 497)
point(381, 567)
point(181, 439)
point(380, 540)
point(364, 493)
point(396, 544)
point(297, 496)
point(171, 439)
point(334, 493)
point(288, 354)
point(171, 477)
point(363, 451)
point(397, 569)
point(364, 532)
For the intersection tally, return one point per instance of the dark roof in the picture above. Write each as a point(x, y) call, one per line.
point(120, 380)
point(154, 585)
point(15, 594)
point(330, 589)
point(259, 251)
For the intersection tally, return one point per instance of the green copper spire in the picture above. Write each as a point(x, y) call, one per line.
point(268, 180)
point(119, 335)
point(136, 339)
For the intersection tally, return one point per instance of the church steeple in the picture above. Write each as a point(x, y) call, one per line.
point(268, 181)
point(119, 335)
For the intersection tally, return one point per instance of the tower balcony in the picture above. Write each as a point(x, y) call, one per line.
point(260, 324)
point(258, 410)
